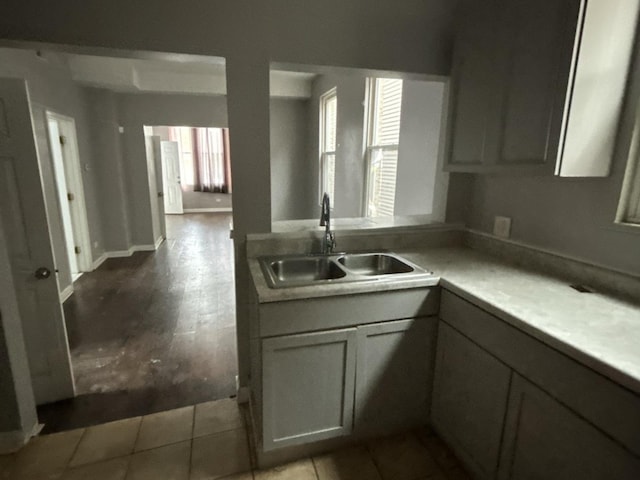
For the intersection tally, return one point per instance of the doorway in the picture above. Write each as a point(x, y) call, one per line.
point(63, 144)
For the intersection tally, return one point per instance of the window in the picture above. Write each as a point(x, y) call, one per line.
point(328, 119)
point(383, 139)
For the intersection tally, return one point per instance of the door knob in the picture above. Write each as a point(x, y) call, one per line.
point(42, 273)
point(160, 194)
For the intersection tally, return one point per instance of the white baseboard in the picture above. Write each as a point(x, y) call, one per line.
point(208, 210)
point(143, 248)
point(131, 250)
point(98, 261)
point(11, 442)
point(159, 242)
point(66, 293)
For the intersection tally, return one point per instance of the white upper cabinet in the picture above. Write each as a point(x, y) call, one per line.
point(538, 85)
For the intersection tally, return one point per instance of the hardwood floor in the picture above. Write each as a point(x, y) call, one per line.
point(153, 331)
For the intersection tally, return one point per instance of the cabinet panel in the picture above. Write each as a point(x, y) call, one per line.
point(545, 440)
point(539, 38)
point(469, 400)
point(394, 374)
point(308, 387)
point(473, 87)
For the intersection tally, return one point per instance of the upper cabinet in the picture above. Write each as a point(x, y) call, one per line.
point(538, 85)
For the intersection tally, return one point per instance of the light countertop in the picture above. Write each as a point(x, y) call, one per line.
point(597, 330)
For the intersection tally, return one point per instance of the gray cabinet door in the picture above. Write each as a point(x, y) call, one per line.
point(308, 387)
point(545, 440)
point(469, 402)
point(538, 39)
point(473, 86)
point(394, 374)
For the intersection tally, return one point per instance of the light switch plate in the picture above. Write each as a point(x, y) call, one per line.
point(502, 227)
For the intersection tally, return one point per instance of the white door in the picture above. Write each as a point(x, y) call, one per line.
point(155, 139)
point(153, 190)
point(171, 177)
point(24, 217)
point(63, 194)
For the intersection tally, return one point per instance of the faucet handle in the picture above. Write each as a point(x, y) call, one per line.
point(332, 241)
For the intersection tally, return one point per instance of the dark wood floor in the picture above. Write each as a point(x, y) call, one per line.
point(153, 331)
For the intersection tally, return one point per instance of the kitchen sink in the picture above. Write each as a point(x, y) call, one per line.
point(306, 269)
point(300, 270)
point(374, 264)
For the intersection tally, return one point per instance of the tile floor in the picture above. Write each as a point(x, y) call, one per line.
point(209, 441)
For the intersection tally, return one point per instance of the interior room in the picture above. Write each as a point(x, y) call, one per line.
point(320, 240)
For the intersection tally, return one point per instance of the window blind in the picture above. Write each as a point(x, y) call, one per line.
point(385, 102)
point(328, 140)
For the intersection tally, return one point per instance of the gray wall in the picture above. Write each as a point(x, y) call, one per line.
point(289, 164)
point(410, 36)
point(51, 88)
point(111, 187)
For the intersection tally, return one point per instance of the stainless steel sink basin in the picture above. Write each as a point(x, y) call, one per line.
point(305, 269)
point(300, 270)
point(374, 264)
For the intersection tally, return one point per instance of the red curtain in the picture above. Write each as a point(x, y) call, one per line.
point(212, 166)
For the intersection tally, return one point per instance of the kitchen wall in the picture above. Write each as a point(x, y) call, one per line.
point(51, 88)
point(289, 164)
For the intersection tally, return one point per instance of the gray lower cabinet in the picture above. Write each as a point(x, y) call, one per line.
point(308, 387)
point(545, 440)
point(394, 374)
point(470, 393)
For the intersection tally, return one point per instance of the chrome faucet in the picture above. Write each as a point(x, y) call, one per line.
point(329, 239)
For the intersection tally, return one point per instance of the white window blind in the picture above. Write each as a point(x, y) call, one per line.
point(383, 133)
point(328, 134)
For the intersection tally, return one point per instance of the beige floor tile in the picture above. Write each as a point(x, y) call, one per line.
point(45, 456)
point(239, 476)
point(457, 473)
point(170, 462)
point(6, 463)
point(349, 464)
point(165, 428)
point(441, 453)
point(109, 440)
point(300, 470)
point(402, 457)
point(218, 416)
point(220, 455)
point(114, 469)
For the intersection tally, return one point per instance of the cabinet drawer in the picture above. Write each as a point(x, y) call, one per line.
point(602, 402)
point(282, 318)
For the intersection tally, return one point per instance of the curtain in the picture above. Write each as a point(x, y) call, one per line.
point(204, 158)
point(212, 169)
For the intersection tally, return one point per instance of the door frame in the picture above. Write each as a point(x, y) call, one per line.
point(74, 180)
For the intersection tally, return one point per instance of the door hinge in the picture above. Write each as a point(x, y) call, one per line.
point(77, 249)
point(71, 197)
point(63, 140)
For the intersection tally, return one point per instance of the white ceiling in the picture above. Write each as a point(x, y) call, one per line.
point(205, 76)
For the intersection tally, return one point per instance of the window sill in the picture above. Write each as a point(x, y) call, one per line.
point(624, 227)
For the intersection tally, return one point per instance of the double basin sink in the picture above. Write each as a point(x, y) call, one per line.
point(299, 270)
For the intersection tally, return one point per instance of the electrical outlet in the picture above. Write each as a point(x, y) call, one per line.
point(502, 227)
